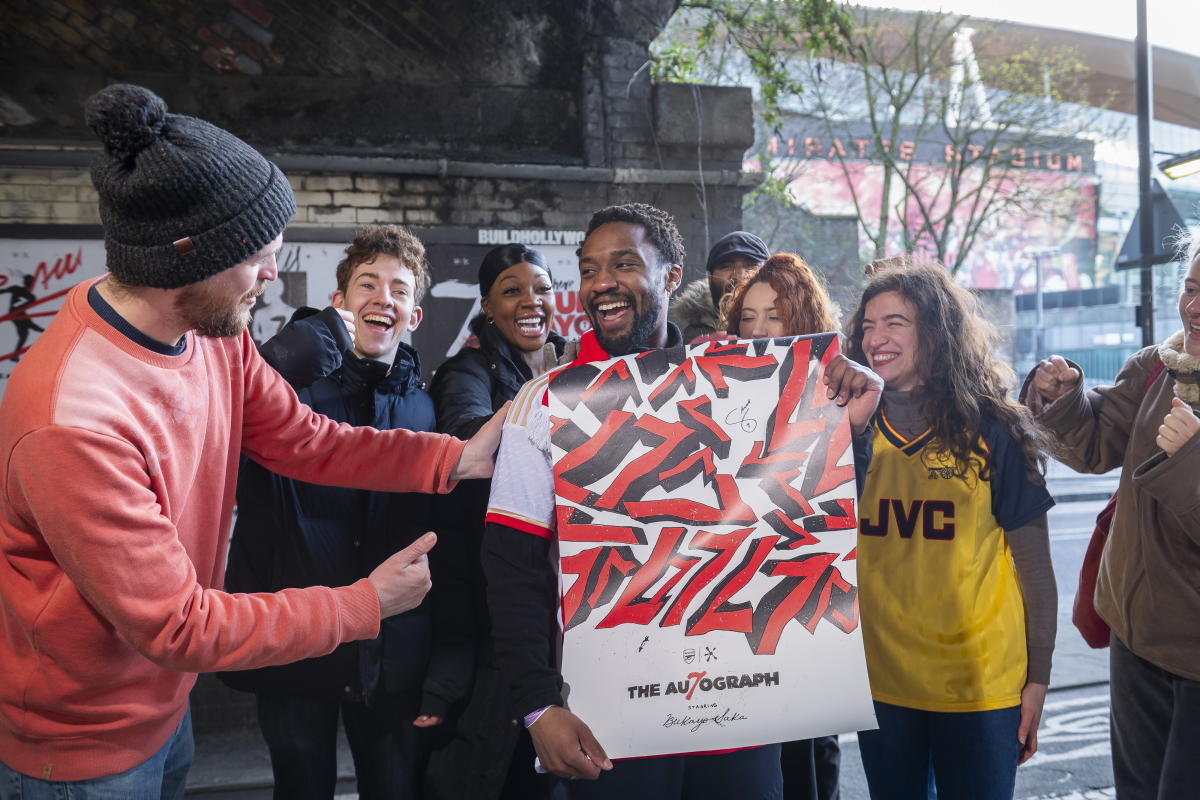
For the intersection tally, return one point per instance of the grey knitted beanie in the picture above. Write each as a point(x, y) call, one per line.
point(180, 198)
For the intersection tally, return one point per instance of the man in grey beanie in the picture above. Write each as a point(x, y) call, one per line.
point(120, 435)
point(735, 257)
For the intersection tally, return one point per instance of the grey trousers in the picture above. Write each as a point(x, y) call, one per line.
point(1155, 729)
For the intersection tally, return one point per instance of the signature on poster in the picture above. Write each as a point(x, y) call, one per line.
point(694, 724)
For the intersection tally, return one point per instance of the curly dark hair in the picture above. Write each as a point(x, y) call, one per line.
point(658, 224)
point(800, 298)
point(389, 240)
point(962, 378)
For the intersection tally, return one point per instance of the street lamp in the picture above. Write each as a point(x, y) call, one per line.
point(1039, 309)
point(1145, 109)
point(1181, 166)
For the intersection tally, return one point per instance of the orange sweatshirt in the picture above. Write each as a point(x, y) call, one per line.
point(117, 474)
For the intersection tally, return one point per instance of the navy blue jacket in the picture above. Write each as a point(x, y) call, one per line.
point(293, 534)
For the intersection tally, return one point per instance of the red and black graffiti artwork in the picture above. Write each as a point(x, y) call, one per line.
point(678, 558)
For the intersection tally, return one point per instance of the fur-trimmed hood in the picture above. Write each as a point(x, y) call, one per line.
point(1184, 368)
point(692, 310)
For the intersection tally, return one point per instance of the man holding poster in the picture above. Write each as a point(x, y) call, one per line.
point(677, 637)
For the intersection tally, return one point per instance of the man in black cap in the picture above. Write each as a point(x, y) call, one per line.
point(120, 433)
point(735, 257)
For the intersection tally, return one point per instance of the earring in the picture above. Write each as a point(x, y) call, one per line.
point(491, 321)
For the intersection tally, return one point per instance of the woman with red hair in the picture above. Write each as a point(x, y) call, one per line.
point(786, 298)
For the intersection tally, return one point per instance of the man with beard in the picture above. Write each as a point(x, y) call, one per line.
point(629, 264)
point(120, 433)
point(735, 257)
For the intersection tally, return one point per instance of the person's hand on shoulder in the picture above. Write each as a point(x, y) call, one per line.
point(478, 458)
point(566, 746)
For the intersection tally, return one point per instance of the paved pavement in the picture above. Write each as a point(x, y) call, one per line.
point(237, 767)
point(1073, 762)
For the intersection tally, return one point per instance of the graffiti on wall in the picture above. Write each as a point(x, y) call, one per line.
point(36, 274)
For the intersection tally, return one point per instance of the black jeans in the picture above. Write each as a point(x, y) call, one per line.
point(811, 769)
point(301, 736)
point(750, 774)
point(1155, 729)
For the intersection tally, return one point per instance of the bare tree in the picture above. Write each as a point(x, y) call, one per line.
point(998, 115)
point(958, 125)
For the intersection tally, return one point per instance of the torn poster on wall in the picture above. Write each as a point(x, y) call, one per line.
point(36, 274)
point(706, 513)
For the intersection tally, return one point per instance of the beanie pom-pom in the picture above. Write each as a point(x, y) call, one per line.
point(126, 118)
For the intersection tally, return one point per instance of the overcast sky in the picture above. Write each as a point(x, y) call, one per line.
point(1173, 23)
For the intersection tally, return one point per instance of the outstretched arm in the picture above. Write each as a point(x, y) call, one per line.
point(126, 559)
point(1092, 427)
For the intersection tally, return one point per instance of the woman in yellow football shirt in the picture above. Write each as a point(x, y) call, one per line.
point(956, 589)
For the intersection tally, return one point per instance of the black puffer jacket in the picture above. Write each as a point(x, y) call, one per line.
point(294, 534)
point(476, 381)
point(473, 750)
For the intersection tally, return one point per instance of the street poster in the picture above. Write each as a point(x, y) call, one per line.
point(706, 513)
point(37, 274)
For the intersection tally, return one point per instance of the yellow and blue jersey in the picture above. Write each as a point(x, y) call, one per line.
point(942, 614)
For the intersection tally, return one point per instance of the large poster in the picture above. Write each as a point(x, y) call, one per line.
point(706, 514)
point(35, 276)
point(453, 298)
point(1001, 257)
